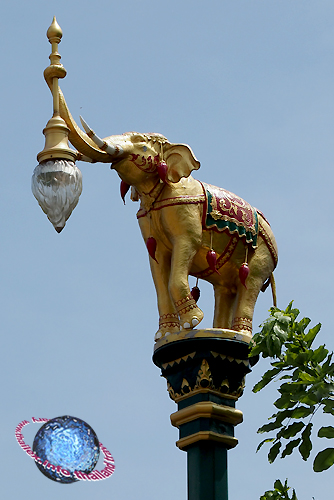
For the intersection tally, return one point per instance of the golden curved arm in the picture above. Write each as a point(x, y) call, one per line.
point(52, 73)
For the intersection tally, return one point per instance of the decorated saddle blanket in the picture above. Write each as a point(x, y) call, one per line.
point(227, 212)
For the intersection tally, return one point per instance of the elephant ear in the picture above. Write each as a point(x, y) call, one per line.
point(180, 160)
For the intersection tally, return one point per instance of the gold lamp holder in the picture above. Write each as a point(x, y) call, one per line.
point(56, 131)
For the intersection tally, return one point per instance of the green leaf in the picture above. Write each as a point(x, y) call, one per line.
point(323, 389)
point(292, 312)
point(280, 316)
point(306, 377)
point(311, 334)
point(269, 440)
point(280, 332)
point(274, 346)
point(309, 398)
point(257, 349)
point(292, 430)
point(319, 354)
point(288, 309)
point(302, 411)
point(266, 378)
point(290, 447)
point(306, 445)
point(324, 460)
point(326, 432)
point(279, 486)
point(302, 358)
point(269, 427)
point(329, 406)
point(274, 451)
point(260, 385)
point(291, 358)
point(303, 323)
point(282, 415)
point(327, 367)
point(269, 495)
point(284, 402)
point(289, 388)
point(280, 492)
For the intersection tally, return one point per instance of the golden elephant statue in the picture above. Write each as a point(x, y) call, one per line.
point(190, 228)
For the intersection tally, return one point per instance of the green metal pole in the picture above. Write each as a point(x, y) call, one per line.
point(207, 471)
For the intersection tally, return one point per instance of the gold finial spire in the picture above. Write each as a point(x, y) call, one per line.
point(54, 35)
point(54, 32)
point(56, 131)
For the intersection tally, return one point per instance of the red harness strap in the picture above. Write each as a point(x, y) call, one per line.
point(169, 202)
point(223, 258)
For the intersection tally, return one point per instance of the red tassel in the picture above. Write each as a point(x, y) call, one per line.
point(124, 189)
point(211, 258)
point(196, 293)
point(243, 273)
point(162, 170)
point(151, 245)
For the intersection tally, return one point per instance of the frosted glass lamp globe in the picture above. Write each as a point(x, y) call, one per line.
point(57, 185)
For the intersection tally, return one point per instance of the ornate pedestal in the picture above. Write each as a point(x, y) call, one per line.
point(205, 372)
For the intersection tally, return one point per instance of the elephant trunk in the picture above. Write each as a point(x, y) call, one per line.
point(87, 146)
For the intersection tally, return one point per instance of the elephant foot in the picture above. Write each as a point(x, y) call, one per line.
point(189, 313)
point(168, 323)
point(242, 325)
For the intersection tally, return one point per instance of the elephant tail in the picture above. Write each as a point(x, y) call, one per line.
point(271, 281)
point(273, 289)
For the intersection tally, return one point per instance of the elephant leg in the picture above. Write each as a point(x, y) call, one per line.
point(246, 299)
point(224, 305)
point(168, 317)
point(189, 313)
point(261, 266)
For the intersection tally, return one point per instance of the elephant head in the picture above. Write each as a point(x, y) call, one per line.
point(134, 156)
point(137, 157)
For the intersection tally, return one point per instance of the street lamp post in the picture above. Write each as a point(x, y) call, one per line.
point(57, 182)
point(205, 369)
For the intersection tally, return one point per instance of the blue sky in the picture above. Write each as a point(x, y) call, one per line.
point(249, 86)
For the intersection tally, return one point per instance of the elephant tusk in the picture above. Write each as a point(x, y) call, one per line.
point(103, 145)
point(81, 157)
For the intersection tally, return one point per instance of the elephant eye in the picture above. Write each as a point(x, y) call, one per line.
point(144, 148)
